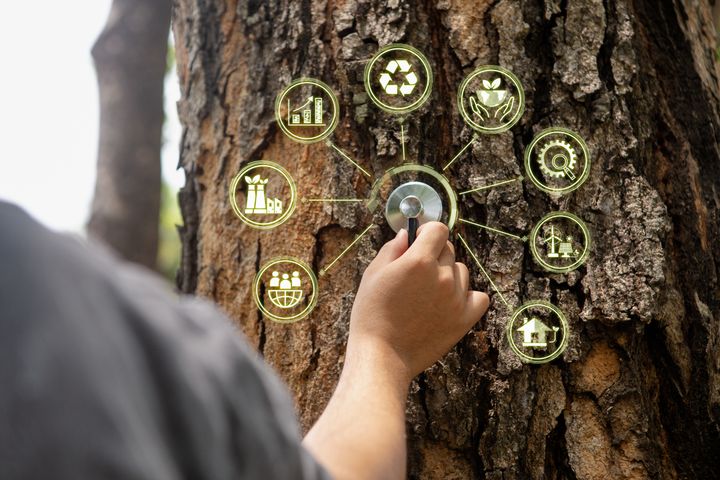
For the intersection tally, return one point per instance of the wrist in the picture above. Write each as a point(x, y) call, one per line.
point(372, 358)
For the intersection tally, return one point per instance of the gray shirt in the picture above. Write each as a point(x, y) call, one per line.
point(105, 374)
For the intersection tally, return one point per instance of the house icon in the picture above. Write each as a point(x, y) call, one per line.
point(535, 333)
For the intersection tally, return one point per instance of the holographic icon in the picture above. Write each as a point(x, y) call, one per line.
point(557, 161)
point(560, 242)
point(309, 114)
point(257, 202)
point(407, 83)
point(537, 332)
point(268, 197)
point(398, 78)
point(430, 198)
point(285, 292)
point(285, 289)
point(491, 96)
point(558, 246)
point(491, 99)
point(307, 110)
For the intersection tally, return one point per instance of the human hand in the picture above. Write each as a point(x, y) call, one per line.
point(413, 303)
point(412, 306)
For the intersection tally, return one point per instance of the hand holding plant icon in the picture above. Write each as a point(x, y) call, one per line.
point(492, 96)
point(491, 99)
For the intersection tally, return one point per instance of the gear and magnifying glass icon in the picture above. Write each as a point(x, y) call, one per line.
point(557, 161)
point(557, 158)
point(398, 80)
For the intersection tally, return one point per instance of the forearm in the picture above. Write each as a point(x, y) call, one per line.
point(412, 306)
point(361, 433)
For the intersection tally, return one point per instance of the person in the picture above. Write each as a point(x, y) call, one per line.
point(105, 373)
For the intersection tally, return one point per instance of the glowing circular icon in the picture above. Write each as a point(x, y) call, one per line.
point(263, 194)
point(491, 99)
point(416, 200)
point(398, 78)
point(307, 110)
point(538, 332)
point(375, 198)
point(557, 160)
point(560, 242)
point(285, 290)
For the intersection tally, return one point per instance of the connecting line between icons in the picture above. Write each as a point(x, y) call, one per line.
point(345, 155)
point(333, 200)
point(501, 232)
point(324, 270)
point(402, 140)
point(498, 184)
point(460, 153)
point(477, 262)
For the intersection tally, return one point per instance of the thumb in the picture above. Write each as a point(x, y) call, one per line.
point(393, 249)
point(476, 305)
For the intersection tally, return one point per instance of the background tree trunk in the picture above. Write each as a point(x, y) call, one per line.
point(637, 392)
point(130, 58)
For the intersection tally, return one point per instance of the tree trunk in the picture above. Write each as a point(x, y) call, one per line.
point(637, 392)
point(130, 59)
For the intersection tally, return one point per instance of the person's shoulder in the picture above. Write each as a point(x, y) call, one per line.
point(104, 339)
point(22, 236)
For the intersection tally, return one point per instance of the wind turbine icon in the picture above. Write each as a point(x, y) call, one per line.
point(554, 240)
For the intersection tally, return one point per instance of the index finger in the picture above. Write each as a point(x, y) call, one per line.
point(431, 240)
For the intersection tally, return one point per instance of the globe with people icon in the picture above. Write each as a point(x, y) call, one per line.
point(285, 292)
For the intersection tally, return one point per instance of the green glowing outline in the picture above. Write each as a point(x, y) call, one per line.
point(533, 243)
point(518, 87)
point(580, 178)
point(373, 199)
point(325, 269)
point(482, 269)
point(347, 157)
point(428, 75)
point(298, 316)
point(333, 121)
point(509, 331)
point(288, 210)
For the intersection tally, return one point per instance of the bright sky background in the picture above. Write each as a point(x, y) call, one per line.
point(49, 110)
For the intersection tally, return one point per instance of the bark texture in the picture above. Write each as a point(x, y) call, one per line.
point(637, 392)
point(130, 59)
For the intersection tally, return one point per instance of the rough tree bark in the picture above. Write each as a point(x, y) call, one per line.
point(637, 392)
point(130, 59)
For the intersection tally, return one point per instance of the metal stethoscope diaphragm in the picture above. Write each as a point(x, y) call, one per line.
point(411, 205)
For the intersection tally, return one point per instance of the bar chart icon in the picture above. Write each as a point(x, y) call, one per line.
point(309, 114)
point(307, 110)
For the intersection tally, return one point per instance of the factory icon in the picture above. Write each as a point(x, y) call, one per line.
point(257, 202)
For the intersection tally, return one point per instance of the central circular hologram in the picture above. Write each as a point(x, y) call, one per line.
point(413, 200)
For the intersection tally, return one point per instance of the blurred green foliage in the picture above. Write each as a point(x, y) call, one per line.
point(168, 259)
point(170, 60)
point(169, 247)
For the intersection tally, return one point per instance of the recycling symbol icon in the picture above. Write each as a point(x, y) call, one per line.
point(409, 78)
